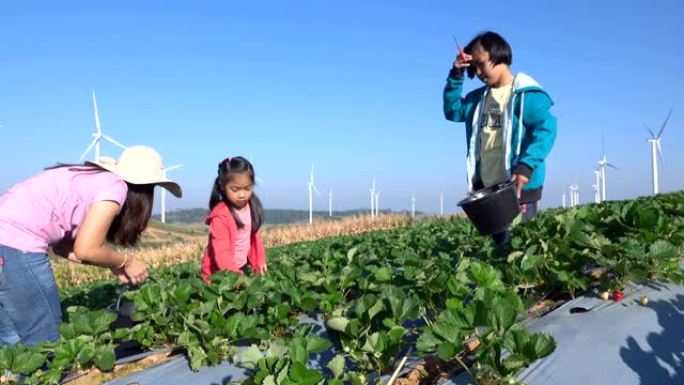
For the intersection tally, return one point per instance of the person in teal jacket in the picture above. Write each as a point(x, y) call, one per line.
point(509, 126)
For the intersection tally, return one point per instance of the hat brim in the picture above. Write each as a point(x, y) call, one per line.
point(173, 187)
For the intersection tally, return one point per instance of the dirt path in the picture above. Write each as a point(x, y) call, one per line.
point(164, 234)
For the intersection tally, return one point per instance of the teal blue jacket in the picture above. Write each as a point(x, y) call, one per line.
point(529, 130)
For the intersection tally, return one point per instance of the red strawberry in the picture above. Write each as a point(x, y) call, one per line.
point(618, 295)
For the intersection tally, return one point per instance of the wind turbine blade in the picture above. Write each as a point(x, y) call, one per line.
point(173, 167)
point(664, 124)
point(612, 166)
point(111, 140)
point(97, 116)
point(260, 180)
point(316, 190)
point(90, 147)
point(653, 135)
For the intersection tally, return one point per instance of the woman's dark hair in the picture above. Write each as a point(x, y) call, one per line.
point(499, 50)
point(226, 169)
point(134, 215)
point(135, 212)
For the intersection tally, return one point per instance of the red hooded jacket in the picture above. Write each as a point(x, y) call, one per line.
point(218, 255)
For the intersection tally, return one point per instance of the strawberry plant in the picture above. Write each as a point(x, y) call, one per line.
point(377, 290)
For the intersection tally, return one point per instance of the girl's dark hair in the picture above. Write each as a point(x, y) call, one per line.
point(135, 212)
point(499, 50)
point(226, 169)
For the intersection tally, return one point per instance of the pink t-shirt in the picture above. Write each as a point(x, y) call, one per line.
point(43, 209)
point(242, 240)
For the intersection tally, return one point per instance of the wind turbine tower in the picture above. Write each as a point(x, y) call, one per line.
point(377, 202)
point(330, 195)
point(655, 148)
point(597, 186)
point(603, 163)
point(372, 199)
point(441, 203)
point(312, 188)
point(563, 199)
point(163, 192)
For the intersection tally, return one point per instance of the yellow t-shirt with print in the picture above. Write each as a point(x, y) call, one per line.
point(492, 169)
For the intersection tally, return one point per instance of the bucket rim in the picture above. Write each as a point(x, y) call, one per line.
point(487, 192)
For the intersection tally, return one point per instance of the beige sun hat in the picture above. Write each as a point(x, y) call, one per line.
point(140, 165)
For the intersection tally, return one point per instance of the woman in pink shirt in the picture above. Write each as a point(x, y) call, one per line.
point(75, 210)
point(234, 220)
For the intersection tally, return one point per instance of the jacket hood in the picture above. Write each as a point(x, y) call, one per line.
point(524, 82)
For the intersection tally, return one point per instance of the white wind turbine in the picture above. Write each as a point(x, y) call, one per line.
point(655, 147)
point(413, 205)
point(372, 199)
point(441, 203)
point(563, 198)
point(98, 135)
point(603, 163)
point(597, 186)
point(330, 195)
point(163, 192)
point(312, 189)
point(377, 202)
point(574, 195)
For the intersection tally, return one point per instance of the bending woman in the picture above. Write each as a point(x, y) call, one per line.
point(75, 210)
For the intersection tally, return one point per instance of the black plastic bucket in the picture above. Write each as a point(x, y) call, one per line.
point(492, 209)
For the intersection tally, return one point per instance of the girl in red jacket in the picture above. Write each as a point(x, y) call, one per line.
point(234, 220)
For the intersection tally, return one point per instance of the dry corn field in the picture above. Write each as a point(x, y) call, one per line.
point(191, 249)
point(283, 235)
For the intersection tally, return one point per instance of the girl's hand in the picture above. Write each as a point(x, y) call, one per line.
point(135, 270)
point(261, 270)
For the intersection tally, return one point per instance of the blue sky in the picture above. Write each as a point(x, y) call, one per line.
point(354, 87)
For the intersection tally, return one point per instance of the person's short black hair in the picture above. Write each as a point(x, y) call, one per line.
point(499, 50)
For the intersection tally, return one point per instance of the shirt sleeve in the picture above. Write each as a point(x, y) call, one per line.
point(540, 125)
point(453, 101)
point(116, 191)
point(258, 252)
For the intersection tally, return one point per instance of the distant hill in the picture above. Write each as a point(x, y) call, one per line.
point(271, 216)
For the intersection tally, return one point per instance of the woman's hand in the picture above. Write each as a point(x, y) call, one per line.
point(262, 270)
point(72, 258)
point(462, 61)
point(135, 270)
point(521, 180)
point(120, 274)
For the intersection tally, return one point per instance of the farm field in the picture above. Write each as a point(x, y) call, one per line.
point(168, 244)
point(438, 288)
